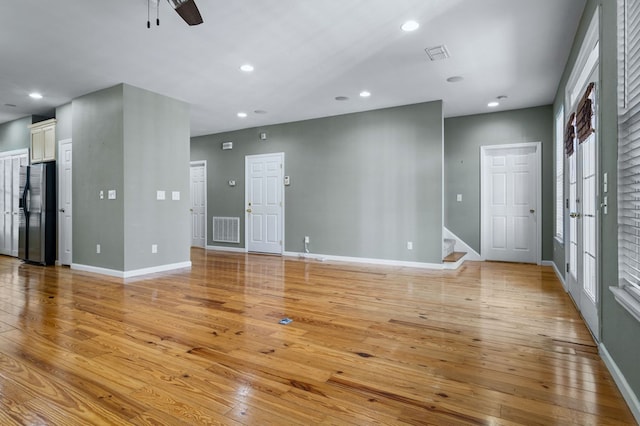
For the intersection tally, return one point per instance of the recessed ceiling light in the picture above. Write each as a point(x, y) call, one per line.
point(242, 114)
point(455, 79)
point(410, 26)
point(365, 94)
point(35, 95)
point(493, 104)
point(342, 98)
point(247, 68)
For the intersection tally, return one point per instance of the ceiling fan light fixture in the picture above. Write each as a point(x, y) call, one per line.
point(187, 10)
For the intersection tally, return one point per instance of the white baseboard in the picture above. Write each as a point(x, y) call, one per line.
point(462, 246)
point(627, 393)
point(133, 273)
point(230, 249)
point(557, 271)
point(385, 262)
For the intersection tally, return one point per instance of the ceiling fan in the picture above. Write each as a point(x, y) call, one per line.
point(187, 10)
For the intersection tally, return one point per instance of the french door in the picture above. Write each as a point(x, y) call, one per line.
point(583, 235)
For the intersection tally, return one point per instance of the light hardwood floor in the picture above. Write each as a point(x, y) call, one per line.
point(491, 343)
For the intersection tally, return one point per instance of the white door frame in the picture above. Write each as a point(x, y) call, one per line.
point(206, 217)
point(246, 198)
point(484, 153)
point(61, 144)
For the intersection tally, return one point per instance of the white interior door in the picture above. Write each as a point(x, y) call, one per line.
point(264, 199)
point(198, 173)
point(65, 202)
point(5, 206)
point(510, 203)
point(17, 161)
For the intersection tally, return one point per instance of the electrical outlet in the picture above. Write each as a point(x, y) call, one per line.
point(154, 248)
point(97, 248)
point(409, 245)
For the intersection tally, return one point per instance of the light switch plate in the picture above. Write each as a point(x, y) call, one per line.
point(160, 195)
point(175, 195)
point(459, 197)
point(112, 194)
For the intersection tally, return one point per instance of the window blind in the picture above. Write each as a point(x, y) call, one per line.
point(629, 153)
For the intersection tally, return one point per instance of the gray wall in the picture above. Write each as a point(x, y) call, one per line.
point(620, 332)
point(15, 134)
point(98, 164)
point(64, 119)
point(156, 157)
point(135, 142)
point(463, 138)
point(362, 185)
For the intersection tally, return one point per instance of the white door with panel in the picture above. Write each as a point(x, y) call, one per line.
point(583, 252)
point(582, 241)
point(65, 202)
point(510, 202)
point(10, 198)
point(17, 161)
point(198, 176)
point(5, 205)
point(264, 199)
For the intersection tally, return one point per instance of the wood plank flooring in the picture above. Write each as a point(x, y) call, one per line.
point(490, 343)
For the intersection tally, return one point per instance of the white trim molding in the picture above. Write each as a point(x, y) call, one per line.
point(627, 393)
point(627, 301)
point(132, 273)
point(382, 262)
point(557, 271)
point(229, 249)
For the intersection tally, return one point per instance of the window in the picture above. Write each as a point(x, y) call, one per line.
point(560, 175)
point(627, 293)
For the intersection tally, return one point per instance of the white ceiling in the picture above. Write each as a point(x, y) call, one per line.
point(305, 53)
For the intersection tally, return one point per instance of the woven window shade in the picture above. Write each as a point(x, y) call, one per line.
point(570, 135)
point(585, 114)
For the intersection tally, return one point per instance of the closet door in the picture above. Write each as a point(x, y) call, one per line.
point(16, 162)
point(5, 211)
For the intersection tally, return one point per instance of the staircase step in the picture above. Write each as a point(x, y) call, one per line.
point(454, 257)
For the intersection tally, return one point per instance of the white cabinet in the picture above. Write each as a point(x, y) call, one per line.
point(43, 141)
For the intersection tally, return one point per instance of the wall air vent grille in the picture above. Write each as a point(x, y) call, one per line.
point(226, 229)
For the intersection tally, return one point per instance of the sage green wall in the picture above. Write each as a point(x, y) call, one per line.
point(15, 134)
point(135, 142)
point(463, 137)
point(620, 332)
point(156, 157)
point(98, 125)
point(362, 185)
point(64, 120)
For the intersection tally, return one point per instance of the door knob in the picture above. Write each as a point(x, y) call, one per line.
point(61, 210)
point(574, 215)
point(248, 210)
point(190, 210)
point(532, 211)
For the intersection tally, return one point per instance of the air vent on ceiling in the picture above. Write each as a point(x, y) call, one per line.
point(437, 53)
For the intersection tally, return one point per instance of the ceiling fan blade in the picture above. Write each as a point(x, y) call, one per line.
point(187, 10)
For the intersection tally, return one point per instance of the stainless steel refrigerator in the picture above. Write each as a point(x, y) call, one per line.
point(37, 233)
